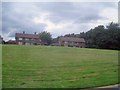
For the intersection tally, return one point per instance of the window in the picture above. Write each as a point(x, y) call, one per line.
point(20, 43)
point(31, 43)
point(27, 39)
point(20, 38)
point(66, 42)
point(27, 43)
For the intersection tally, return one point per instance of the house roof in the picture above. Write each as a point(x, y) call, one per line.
point(21, 35)
point(11, 42)
point(72, 39)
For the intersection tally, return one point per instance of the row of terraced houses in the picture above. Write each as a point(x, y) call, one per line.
point(33, 39)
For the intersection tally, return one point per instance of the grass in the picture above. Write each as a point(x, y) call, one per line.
point(58, 67)
point(0, 66)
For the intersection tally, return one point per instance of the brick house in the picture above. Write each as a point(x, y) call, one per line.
point(1, 40)
point(72, 42)
point(27, 39)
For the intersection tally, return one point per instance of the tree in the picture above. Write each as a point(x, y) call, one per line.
point(101, 37)
point(106, 38)
point(45, 37)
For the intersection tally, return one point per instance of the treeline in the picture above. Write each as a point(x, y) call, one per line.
point(101, 37)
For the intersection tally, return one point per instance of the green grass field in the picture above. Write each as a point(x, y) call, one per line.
point(58, 67)
point(0, 66)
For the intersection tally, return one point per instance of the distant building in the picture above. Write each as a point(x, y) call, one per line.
point(11, 42)
point(1, 40)
point(27, 39)
point(72, 42)
point(55, 44)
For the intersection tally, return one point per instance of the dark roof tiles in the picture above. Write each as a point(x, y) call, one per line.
point(21, 35)
point(71, 39)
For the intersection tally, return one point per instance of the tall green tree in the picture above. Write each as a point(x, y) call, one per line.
point(45, 37)
point(101, 37)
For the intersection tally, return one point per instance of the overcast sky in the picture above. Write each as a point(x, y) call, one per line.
point(58, 18)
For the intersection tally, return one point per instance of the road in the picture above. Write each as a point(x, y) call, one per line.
point(111, 87)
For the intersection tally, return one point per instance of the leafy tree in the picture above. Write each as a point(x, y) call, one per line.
point(107, 38)
point(45, 37)
point(101, 37)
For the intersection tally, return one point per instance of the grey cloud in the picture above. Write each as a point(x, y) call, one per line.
point(18, 20)
point(18, 16)
point(85, 12)
point(89, 19)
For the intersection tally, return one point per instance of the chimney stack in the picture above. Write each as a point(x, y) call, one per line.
point(23, 32)
point(35, 33)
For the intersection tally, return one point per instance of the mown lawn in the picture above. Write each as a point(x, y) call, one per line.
point(0, 66)
point(57, 67)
